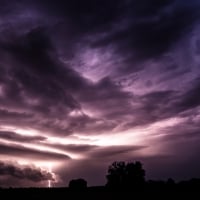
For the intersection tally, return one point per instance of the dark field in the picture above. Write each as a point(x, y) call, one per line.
point(187, 190)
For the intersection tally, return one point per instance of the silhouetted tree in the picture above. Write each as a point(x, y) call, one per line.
point(170, 181)
point(116, 174)
point(122, 175)
point(135, 174)
point(78, 184)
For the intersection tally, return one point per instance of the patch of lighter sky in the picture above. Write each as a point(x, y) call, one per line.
point(65, 141)
point(93, 64)
point(76, 139)
point(45, 165)
point(143, 136)
point(134, 136)
point(92, 110)
point(27, 132)
point(140, 136)
point(85, 110)
point(32, 101)
point(76, 113)
point(20, 131)
point(1, 90)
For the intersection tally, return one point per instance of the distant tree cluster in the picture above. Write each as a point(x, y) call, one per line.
point(78, 184)
point(130, 177)
point(125, 175)
point(120, 175)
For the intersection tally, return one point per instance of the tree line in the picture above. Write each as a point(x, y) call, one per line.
point(131, 176)
point(120, 175)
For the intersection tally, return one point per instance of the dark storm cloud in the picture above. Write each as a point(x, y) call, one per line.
point(85, 15)
point(187, 130)
point(8, 135)
point(24, 172)
point(191, 98)
point(182, 134)
point(137, 29)
point(36, 64)
point(6, 7)
point(160, 105)
point(172, 103)
point(36, 82)
point(33, 65)
point(25, 152)
point(144, 29)
point(152, 28)
point(142, 110)
point(163, 101)
point(113, 97)
point(40, 86)
point(11, 115)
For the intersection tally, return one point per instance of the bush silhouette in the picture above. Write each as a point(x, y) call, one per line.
point(78, 184)
point(122, 175)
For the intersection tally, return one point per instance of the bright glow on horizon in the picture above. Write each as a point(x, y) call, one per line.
point(140, 136)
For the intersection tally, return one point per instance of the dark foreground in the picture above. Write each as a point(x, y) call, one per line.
point(148, 192)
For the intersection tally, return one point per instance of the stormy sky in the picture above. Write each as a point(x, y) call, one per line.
point(86, 83)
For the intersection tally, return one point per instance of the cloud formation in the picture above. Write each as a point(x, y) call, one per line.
point(25, 152)
point(20, 138)
point(25, 172)
point(99, 80)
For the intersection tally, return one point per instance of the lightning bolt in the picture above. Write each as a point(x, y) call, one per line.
point(49, 181)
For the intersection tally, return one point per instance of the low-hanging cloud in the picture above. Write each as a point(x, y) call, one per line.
point(10, 150)
point(25, 172)
point(12, 136)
